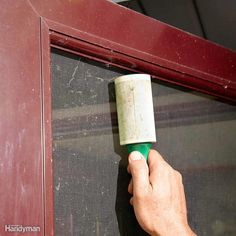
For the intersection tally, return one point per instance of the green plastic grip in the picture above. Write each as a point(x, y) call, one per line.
point(143, 148)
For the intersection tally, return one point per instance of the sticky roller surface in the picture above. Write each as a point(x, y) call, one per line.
point(135, 109)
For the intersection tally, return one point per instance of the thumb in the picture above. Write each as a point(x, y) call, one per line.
point(140, 173)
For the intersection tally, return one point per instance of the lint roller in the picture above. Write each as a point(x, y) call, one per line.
point(135, 112)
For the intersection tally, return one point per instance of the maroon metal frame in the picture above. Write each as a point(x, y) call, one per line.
point(100, 30)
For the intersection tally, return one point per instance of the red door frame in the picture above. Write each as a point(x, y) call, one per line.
point(96, 30)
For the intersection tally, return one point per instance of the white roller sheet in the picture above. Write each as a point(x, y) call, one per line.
point(135, 109)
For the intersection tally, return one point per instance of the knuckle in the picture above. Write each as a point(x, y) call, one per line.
point(141, 195)
point(130, 188)
point(139, 198)
point(131, 201)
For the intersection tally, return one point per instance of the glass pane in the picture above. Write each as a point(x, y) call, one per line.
point(195, 133)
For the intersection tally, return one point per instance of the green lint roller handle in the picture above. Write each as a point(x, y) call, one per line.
point(143, 148)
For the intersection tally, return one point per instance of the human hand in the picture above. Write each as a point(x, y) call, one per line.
point(158, 196)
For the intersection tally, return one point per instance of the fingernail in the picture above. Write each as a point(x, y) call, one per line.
point(135, 155)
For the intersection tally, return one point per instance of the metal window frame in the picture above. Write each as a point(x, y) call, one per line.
point(95, 30)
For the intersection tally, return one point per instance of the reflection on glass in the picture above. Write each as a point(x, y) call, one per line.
point(195, 133)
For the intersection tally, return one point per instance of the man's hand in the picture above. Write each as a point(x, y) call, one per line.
point(158, 196)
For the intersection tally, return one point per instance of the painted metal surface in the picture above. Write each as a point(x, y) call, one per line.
point(198, 63)
point(47, 174)
point(21, 200)
point(143, 44)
